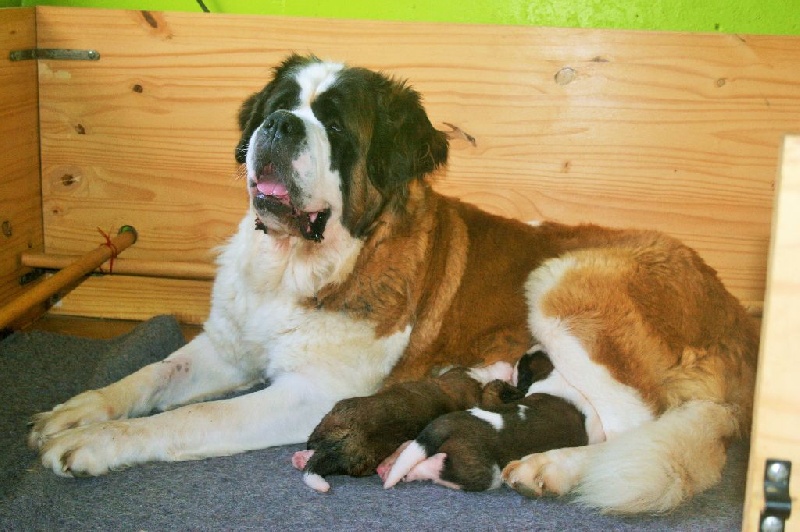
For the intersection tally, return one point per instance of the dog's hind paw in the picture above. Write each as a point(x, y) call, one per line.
point(553, 472)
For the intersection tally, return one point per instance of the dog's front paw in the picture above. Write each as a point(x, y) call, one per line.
point(551, 473)
point(95, 449)
point(83, 409)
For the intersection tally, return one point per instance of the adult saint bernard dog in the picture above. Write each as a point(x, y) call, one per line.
point(350, 272)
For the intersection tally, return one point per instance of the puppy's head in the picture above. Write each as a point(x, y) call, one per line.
point(532, 367)
point(327, 144)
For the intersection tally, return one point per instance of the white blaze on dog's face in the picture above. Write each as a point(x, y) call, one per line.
point(326, 143)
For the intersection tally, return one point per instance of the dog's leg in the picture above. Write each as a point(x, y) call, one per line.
point(553, 472)
point(285, 412)
point(194, 372)
point(652, 468)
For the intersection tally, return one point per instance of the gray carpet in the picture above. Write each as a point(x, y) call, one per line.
point(257, 490)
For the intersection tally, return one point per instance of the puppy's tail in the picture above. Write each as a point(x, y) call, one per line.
point(655, 467)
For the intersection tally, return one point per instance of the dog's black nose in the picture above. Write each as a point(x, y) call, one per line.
point(283, 125)
point(277, 141)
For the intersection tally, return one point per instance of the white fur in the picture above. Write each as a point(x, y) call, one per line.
point(497, 477)
point(492, 418)
point(316, 482)
point(486, 374)
point(647, 464)
point(412, 455)
point(577, 378)
point(260, 327)
point(314, 79)
point(646, 469)
point(651, 468)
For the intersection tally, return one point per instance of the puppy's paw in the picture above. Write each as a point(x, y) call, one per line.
point(96, 449)
point(301, 458)
point(83, 409)
point(316, 482)
point(386, 465)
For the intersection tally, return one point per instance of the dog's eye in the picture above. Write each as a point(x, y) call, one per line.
point(334, 126)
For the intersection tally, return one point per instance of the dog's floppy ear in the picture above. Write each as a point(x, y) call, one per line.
point(248, 122)
point(252, 112)
point(405, 146)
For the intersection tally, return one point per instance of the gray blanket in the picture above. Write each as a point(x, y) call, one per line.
point(256, 490)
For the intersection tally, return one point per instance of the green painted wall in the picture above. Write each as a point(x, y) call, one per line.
point(781, 17)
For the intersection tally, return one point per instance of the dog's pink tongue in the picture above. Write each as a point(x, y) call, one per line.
point(272, 188)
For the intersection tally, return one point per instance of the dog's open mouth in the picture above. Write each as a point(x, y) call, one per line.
point(273, 195)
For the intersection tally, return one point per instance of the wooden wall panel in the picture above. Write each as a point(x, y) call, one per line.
point(137, 298)
point(775, 429)
point(677, 132)
point(20, 193)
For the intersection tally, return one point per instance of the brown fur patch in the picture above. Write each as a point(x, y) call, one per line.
point(649, 310)
point(644, 305)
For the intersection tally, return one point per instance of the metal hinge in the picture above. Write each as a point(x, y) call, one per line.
point(777, 501)
point(57, 54)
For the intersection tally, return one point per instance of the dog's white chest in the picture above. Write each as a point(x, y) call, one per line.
point(261, 316)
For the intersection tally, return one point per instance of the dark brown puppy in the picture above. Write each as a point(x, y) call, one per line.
point(468, 450)
point(360, 432)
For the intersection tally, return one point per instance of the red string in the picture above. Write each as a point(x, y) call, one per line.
point(114, 251)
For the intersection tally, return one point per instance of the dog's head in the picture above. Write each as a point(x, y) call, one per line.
point(326, 142)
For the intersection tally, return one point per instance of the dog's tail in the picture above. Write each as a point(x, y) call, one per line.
point(418, 450)
point(655, 467)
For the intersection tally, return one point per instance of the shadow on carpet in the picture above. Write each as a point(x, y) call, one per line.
point(260, 489)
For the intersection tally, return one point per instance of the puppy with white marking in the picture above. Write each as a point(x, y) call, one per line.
point(468, 450)
point(360, 432)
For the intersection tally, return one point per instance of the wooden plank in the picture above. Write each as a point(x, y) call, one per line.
point(20, 193)
point(677, 132)
point(776, 433)
point(137, 298)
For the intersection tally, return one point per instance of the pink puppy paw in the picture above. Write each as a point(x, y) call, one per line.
point(386, 466)
point(431, 469)
point(300, 459)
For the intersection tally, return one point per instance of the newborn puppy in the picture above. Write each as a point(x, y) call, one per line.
point(360, 432)
point(468, 450)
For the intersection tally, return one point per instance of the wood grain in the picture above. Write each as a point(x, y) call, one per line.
point(677, 132)
point(144, 268)
point(66, 277)
point(775, 427)
point(137, 298)
point(20, 193)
